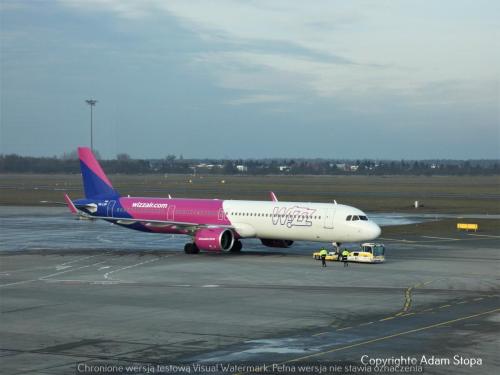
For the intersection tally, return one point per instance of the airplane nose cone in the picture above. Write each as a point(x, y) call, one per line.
point(375, 231)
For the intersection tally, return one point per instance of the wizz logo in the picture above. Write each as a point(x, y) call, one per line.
point(293, 216)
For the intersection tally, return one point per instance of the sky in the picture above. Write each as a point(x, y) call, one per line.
point(338, 79)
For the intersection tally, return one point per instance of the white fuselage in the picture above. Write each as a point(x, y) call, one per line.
point(298, 221)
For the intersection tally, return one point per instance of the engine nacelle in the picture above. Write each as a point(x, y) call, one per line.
point(214, 239)
point(276, 243)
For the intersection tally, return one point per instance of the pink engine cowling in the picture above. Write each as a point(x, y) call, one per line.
point(214, 239)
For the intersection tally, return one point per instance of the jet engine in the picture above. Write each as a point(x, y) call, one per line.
point(214, 239)
point(276, 243)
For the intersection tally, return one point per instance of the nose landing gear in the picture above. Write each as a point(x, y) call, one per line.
point(337, 245)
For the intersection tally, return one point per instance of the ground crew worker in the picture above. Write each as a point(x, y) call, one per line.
point(323, 253)
point(345, 254)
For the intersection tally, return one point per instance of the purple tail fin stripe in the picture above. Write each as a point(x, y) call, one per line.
point(86, 156)
point(95, 182)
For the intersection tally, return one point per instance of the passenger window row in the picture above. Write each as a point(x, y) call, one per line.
point(271, 215)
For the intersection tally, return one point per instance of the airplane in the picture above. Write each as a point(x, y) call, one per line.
point(219, 225)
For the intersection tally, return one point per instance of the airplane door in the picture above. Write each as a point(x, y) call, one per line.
point(170, 213)
point(329, 214)
point(111, 207)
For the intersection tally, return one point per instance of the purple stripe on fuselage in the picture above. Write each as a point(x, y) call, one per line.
point(199, 211)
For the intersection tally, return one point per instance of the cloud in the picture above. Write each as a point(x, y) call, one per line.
point(126, 9)
point(333, 49)
point(259, 99)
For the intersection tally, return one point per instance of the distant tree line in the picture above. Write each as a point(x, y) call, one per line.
point(124, 164)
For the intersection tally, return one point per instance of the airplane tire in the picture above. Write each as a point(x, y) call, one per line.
point(191, 248)
point(236, 246)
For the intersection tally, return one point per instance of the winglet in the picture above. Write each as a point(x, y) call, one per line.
point(70, 204)
point(273, 196)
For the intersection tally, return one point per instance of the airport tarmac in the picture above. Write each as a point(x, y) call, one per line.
point(111, 296)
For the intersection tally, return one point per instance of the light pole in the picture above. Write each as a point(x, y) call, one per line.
point(91, 103)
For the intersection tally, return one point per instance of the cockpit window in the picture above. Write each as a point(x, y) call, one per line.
point(363, 218)
point(348, 218)
point(354, 218)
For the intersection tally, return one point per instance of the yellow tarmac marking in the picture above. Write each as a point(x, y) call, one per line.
point(444, 306)
point(428, 282)
point(388, 318)
point(461, 302)
point(365, 324)
point(392, 336)
point(412, 313)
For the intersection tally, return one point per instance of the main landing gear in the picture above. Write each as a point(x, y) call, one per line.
point(237, 245)
point(191, 248)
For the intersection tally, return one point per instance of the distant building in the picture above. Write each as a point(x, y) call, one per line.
point(241, 168)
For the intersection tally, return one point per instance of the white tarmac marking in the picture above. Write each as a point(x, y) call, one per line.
point(396, 239)
point(101, 239)
point(482, 235)
point(343, 329)
point(103, 268)
point(46, 277)
point(60, 268)
point(319, 334)
point(18, 282)
point(76, 260)
point(442, 238)
point(106, 275)
point(210, 286)
point(72, 269)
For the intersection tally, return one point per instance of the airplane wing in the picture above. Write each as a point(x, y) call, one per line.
point(176, 225)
